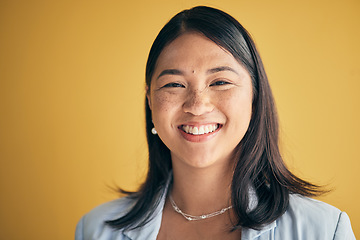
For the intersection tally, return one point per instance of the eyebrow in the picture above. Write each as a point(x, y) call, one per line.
point(210, 71)
point(170, 72)
point(221, 69)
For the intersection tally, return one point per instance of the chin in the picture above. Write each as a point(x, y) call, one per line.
point(201, 164)
point(201, 161)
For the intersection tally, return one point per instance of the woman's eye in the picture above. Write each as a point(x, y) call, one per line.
point(174, 85)
point(219, 83)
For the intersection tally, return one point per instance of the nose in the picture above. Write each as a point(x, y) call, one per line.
point(198, 102)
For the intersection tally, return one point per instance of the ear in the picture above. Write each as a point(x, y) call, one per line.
point(147, 89)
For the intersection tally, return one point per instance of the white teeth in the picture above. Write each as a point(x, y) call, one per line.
point(186, 128)
point(211, 128)
point(200, 130)
point(206, 129)
point(195, 131)
point(190, 130)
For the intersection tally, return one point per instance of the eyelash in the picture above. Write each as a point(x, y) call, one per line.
point(174, 85)
point(177, 85)
point(219, 83)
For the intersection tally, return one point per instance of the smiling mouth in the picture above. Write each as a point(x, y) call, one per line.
point(200, 130)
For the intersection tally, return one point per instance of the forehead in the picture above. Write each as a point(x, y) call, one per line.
point(193, 49)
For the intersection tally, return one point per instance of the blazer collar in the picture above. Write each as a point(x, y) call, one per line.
point(249, 234)
point(151, 229)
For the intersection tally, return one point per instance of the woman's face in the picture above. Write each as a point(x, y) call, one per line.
point(201, 101)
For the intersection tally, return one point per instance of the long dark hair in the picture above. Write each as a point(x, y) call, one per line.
point(259, 165)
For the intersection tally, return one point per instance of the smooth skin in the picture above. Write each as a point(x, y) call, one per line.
point(197, 83)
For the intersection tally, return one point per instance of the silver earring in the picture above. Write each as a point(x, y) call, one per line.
point(153, 131)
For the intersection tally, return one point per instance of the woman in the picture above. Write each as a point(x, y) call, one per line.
point(215, 171)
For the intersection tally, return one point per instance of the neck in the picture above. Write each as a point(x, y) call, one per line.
point(201, 190)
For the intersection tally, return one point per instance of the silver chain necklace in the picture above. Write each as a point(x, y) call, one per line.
point(194, 218)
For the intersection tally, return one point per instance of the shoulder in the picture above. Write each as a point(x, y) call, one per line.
point(92, 225)
point(311, 208)
point(111, 210)
point(312, 219)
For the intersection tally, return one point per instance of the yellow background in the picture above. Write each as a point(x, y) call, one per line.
point(72, 93)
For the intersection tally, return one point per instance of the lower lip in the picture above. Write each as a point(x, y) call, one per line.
point(199, 138)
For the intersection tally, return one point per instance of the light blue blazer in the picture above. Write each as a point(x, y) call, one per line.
point(305, 219)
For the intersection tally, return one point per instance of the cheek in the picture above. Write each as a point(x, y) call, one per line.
point(237, 106)
point(162, 105)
